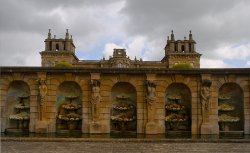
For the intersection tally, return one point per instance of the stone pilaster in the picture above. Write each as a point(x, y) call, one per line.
point(42, 124)
point(96, 125)
point(209, 123)
point(152, 127)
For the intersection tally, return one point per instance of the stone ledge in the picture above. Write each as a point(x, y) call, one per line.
point(147, 140)
point(223, 71)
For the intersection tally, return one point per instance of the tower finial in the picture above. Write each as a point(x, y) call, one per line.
point(67, 34)
point(172, 35)
point(49, 34)
point(190, 35)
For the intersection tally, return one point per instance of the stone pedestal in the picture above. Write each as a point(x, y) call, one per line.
point(95, 127)
point(98, 127)
point(208, 128)
point(152, 128)
point(41, 127)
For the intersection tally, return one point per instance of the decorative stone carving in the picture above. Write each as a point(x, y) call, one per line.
point(42, 87)
point(205, 100)
point(95, 99)
point(42, 90)
point(151, 92)
point(151, 100)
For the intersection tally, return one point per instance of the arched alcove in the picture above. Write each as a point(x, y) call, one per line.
point(231, 112)
point(18, 107)
point(178, 108)
point(123, 109)
point(69, 107)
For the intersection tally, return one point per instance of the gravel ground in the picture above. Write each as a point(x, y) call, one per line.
point(121, 147)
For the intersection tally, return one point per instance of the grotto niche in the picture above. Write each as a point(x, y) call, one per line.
point(230, 108)
point(18, 107)
point(123, 118)
point(69, 108)
point(178, 109)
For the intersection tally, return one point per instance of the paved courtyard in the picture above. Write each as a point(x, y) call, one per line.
point(121, 147)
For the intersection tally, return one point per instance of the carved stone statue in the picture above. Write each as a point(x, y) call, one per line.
point(151, 92)
point(151, 99)
point(205, 99)
point(42, 94)
point(42, 90)
point(95, 99)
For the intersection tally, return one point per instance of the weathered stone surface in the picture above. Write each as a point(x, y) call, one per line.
point(92, 145)
point(41, 127)
point(133, 76)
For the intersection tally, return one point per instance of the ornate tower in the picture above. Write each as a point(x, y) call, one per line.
point(181, 52)
point(120, 59)
point(58, 50)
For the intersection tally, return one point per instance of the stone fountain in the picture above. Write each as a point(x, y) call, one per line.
point(226, 109)
point(123, 114)
point(22, 115)
point(69, 114)
point(176, 115)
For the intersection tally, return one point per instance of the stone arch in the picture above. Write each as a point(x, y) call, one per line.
point(68, 107)
point(123, 110)
point(178, 108)
point(231, 107)
point(17, 106)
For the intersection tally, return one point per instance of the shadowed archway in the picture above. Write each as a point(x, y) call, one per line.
point(123, 109)
point(18, 107)
point(178, 108)
point(69, 107)
point(230, 108)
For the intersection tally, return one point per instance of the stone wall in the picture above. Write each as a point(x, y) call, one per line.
point(137, 78)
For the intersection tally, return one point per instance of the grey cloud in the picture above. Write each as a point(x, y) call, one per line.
point(213, 22)
point(49, 4)
point(23, 17)
point(30, 15)
point(32, 18)
point(20, 48)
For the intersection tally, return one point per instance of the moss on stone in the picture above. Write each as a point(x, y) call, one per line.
point(182, 66)
point(64, 65)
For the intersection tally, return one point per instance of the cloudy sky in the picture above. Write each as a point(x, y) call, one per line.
point(221, 28)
